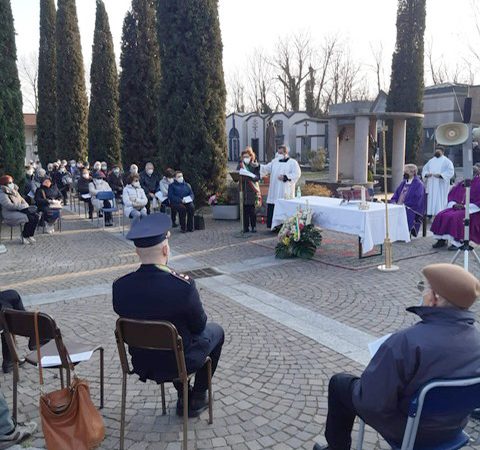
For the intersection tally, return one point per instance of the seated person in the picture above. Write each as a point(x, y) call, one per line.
point(162, 194)
point(63, 181)
point(30, 185)
point(16, 211)
point(134, 199)
point(96, 185)
point(444, 344)
point(83, 188)
point(155, 292)
point(180, 196)
point(411, 193)
point(149, 181)
point(448, 224)
point(115, 181)
point(132, 171)
point(49, 202)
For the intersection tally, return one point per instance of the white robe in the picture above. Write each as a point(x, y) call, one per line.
point(281, 189)
point(437, 188)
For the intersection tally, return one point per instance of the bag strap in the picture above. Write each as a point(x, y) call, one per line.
point(39, 355)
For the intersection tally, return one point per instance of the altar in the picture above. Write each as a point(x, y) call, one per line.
point(331, 214)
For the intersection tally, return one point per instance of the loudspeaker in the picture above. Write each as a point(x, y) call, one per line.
point(453, 133)
point(467, 110)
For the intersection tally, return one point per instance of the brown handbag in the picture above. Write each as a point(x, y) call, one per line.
point(70, 420)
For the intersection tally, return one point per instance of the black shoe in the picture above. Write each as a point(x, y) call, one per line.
point(7, 366)
point(190, 231)
point(183, 230)
point(254, 230)
point(246, 230)
point(440, 243)
point(452, 248)
point(174, 225)
point(320, 447)
point(109, 224)
point(197, 404)
point(90, 216)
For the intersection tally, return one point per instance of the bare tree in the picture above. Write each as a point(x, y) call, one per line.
point(292, 61)
point(441, 73)
point(28, 71)
point(236, 92)
point(377, 53)
point(260, 83)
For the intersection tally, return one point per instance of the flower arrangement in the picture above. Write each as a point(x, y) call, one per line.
point(298, 237)
point(227, 196)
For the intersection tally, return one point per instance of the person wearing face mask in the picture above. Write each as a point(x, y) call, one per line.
point(133, 170)
point(156, 292)
point(96, 185)
point(284, 173)
point(149, 181)
point(16, 211)
point(252, 197)
point(411, 193)
point(437, 174)
point(443, 344)
point(49, 202)
point(181, 198)
point(30, 186)
point(448, 225)
point(50, 169)
point(73, 169)
point(97, 166)
point(115, 181)
point(104, 167)
point(134, 199)
point(162, 194)
point(63, 181)
point(83, 188)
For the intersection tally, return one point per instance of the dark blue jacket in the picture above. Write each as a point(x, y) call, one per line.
point(444, 344)
point(151, 293)
point(177, 191)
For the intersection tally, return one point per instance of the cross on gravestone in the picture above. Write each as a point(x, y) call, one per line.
point(306, 128)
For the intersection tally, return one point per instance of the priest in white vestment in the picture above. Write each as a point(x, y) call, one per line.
point(284, 173)
point(436, 175)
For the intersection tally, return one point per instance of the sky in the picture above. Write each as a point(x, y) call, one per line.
point(250, 24)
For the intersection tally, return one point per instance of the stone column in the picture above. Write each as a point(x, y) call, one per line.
point(333, 149)
point(398, 151)
point(362, 125)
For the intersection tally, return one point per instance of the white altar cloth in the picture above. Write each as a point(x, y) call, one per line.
point(368, 224)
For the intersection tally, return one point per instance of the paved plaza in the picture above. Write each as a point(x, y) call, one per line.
point(290, 325)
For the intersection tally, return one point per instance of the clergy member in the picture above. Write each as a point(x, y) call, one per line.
point(448, 225)
point(436, 175)
point(411, 193)
point(284, 173)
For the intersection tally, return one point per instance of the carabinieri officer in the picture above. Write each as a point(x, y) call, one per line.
point(156, 292)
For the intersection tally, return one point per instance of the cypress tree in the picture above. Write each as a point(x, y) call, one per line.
point(407, 82)
point(12, 134)
point(139, 85)
point(103, 128)
point(192, 93)
point(47, 97)
point(72, 103)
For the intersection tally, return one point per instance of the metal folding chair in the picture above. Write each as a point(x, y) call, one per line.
point(22, 323)
point(110, 196)
point(457, 397)
point(163, 336)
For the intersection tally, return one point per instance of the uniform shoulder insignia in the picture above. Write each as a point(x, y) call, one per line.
point(181, 276)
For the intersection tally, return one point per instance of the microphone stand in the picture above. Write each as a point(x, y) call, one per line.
point(466, 248)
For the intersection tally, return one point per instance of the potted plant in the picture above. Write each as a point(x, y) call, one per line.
point(225, 204)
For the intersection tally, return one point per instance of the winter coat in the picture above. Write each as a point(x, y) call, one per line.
point(133, 198)
point(444, 344)
point(83, 185)
point(250, 187)
point(163, 189)
point(98, 185)
point(149, 183)
point(177, 191)
point(44, 194)
point(61, 180)
point(12, 203)
point(30, 186)
point(115, 182)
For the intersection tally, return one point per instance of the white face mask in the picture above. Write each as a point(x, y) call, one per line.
point(136, 184)
point(11, 186)
point(97, 167)
point(246, 160)
point(116, 171)
point(86, 176)
point(149, 171)
point(72, 165)
point(30, 172)
point(62, 170)
point(179, 179)
point(104, 167)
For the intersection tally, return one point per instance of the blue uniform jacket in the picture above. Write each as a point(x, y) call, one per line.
point(177, 191)
point(151, 293)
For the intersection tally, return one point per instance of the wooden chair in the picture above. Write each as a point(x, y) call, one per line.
point(22, 323)
point(163, 336)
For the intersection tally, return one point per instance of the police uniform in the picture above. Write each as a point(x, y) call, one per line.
point(156, 292)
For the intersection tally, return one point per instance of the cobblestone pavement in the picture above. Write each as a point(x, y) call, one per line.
point(271, 384)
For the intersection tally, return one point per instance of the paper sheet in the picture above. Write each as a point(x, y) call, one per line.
point(187, 199)
point(52, 361)
point(375, 345)
point(246, 173)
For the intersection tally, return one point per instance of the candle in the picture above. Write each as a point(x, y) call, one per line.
point(363, 194)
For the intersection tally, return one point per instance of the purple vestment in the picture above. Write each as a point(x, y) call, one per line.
point(413, 196)
point(450, 221)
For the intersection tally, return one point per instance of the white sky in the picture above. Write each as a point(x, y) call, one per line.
point(249, 24)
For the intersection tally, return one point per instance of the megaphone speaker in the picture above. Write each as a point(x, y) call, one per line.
point(454, 133)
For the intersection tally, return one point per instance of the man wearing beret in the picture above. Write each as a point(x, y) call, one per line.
point(156, 292)
point(443, 344)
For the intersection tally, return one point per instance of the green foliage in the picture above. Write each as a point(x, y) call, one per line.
point(103, 116)
point(139, 85)
point(192, 93)
point(305, 247)
point(12, 135)
point(47, 92)
point(317, 159)
point(407, 81)
point(72, 103)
